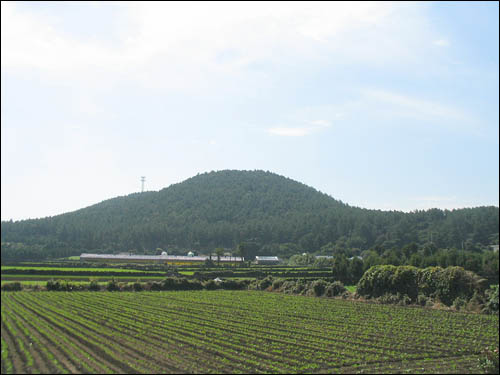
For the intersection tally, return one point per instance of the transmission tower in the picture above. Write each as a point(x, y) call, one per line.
point(142, 180)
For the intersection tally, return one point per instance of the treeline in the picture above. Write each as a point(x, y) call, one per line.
point(348, 266)
point(258, 212)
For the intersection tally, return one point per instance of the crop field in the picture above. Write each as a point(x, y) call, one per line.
point(45, 278)
point(233, 331)
point(69, 270)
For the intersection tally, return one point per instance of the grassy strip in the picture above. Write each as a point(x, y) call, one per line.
point(72, 269)
point(44, 278)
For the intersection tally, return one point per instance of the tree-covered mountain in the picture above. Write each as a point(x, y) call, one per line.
point(270, 213)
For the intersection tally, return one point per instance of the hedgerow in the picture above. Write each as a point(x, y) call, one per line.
point(444, 284)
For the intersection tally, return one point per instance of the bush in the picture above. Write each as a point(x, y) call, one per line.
point(288, 286)
point(335, 289)
point(112, 286)
point(405, 281)
point(377, 281)
point(277, 284)
point(127, 287)
point(491, 306)
point(137, 286)
point(211, 285)
point(299, 287)
point(456, 282)
point(234, 284)
point(156, 286)
point(319, 286)
point(265, 283)
point(459, 303)
point(444, 284)
point(422, 300)
point(389, 298)
point(488, 362)
point(405, 300)
point(94, 285)
point(14, 286)
point(54, 285)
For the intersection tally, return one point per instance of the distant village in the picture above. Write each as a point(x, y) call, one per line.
point(189, 259)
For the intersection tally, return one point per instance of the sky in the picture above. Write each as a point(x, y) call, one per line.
point(390, 105)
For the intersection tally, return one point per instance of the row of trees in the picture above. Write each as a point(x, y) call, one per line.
point(348, 266)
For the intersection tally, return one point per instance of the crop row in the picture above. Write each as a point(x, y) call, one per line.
point(228, 332)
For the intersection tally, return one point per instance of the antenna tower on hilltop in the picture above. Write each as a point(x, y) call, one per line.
point(142, 180)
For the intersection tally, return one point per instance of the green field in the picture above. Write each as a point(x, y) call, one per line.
point(231, 332)
point(42, 279)
point(72, 269)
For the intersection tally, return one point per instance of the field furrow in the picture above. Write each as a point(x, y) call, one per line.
point(232, 332)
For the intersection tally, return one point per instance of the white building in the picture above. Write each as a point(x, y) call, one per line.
point(266, 260)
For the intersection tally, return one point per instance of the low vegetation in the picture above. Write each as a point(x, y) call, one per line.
point(224, 331)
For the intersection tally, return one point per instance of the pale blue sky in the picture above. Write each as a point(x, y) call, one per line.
point(392, 106)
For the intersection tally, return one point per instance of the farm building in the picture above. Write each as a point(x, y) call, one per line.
point(178, 260)
point(266, 260)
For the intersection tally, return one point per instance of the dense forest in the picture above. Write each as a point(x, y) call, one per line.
point(265, 213)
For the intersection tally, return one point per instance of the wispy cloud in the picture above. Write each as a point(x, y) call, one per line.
point(398, 104)
point(441, 43)
point(311, 127)
point(165, 44)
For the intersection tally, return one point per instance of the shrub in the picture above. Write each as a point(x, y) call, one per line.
point(138, 286)
point(476, 302)
point(14, 286)
point(67, 286)
point(445, 284)
point(491, 305)
point(405, 300)
point(277, 284)
point(405, 281)
point(234, 284)
point(488, 362)
point(377, 281)
point(53, 285)
point(94, 285)
point(254, 285)
point(266, 282)
point(288, 286)
point(459, 303)
point(299, 287)
point(128, 287)
point(318, 286)
point(335, 289)
point(389, 298)
point(456, 282)
point(156, 286)
point(112, 285)
point(422, 300)
point(211, 285)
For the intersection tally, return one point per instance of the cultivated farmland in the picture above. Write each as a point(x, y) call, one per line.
point(233, 331)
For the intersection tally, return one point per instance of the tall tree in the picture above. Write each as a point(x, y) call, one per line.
point(219, 252)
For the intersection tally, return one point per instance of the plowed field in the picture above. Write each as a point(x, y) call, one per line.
point(233, 331)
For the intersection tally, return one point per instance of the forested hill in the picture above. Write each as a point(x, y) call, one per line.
point(275, 214)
